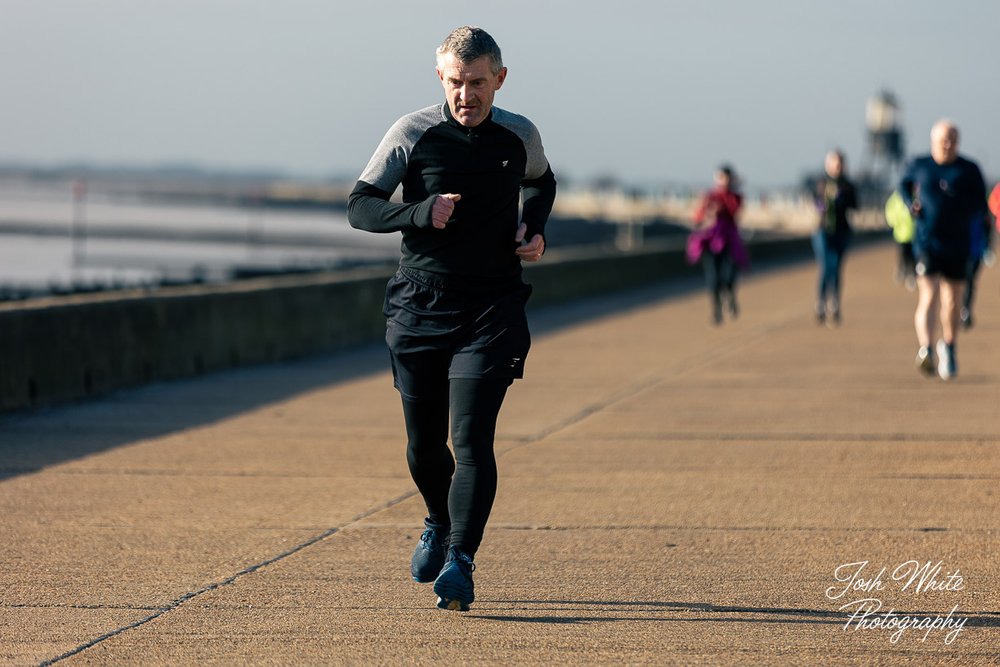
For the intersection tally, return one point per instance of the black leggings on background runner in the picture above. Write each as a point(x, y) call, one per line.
point(458, 491)
point(720, 275)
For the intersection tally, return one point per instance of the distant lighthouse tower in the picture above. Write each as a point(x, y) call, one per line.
point(884, 155)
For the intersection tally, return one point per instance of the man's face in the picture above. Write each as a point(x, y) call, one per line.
point(944, 144)
point(469, 87)
point(834, 165)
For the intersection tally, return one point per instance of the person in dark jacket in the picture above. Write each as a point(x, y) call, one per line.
point(456, 325)
point(947, 196)
point(835, 198)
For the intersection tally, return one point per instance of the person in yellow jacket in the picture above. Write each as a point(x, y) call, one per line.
point(898, 216)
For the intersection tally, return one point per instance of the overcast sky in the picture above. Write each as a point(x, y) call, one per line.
point(648, 91)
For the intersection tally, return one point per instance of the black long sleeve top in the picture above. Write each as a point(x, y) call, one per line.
point(491, 166)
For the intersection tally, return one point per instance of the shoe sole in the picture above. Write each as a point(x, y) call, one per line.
point(452, 598)
point(452, 605)
point(946, 374)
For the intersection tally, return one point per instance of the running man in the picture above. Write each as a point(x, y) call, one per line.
point(456, 326)
point(947, 195)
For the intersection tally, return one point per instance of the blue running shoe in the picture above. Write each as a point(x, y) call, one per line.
point(454, 585)
point(428, 557)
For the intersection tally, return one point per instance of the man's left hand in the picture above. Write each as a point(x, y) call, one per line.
point(530, 251)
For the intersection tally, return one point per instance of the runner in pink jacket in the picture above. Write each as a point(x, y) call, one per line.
point(716, 241)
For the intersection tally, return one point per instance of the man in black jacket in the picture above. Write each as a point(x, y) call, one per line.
point(456, 326)
point(835, 198)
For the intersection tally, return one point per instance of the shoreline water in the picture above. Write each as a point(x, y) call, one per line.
point(52, 243)
point(55, 238)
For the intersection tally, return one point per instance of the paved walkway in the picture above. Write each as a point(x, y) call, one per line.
point(671, 493)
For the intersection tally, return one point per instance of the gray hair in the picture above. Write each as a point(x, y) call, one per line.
point(469, 43)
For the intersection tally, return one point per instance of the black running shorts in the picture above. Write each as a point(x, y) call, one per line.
point(952, 268)
point(436, 331)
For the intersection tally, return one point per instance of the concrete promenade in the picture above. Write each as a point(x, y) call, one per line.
point(670, 493)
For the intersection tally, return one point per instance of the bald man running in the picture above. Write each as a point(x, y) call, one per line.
point(947, 195)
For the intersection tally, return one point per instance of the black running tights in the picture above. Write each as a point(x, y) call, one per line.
point(720, 275)
point(458, 491)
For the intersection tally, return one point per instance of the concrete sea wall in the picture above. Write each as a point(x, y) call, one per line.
point(61, 349)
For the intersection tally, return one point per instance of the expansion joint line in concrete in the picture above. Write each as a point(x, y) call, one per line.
point(175, 604)
point(670, 373)
point(682, 368)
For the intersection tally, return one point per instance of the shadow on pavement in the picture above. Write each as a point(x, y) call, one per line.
point(613, 612)
point(32, 441)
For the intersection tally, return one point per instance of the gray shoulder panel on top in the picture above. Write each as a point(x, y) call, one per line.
point(387, 166)
point(526, 130)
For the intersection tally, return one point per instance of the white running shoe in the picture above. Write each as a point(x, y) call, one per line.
point(947, 367)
